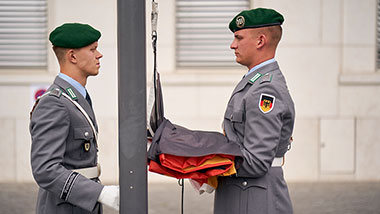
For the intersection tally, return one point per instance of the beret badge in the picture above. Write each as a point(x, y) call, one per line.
point(240, 21)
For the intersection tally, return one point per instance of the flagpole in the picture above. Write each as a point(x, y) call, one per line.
point(132, 106)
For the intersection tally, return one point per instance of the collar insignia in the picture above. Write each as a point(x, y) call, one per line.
point(71, 93)
point(254, 78)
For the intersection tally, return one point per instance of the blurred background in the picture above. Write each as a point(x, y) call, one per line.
point(328, 54)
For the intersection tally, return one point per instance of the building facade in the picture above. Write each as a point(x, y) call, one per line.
point(328, 55)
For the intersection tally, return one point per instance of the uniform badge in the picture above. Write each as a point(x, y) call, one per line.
point(71, 93)
point(266, 103)
point(86, 146)
point(240, 21)
point(254, 78)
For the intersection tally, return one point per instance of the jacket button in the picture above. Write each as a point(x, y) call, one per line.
point(86, 134)
point(245, 183)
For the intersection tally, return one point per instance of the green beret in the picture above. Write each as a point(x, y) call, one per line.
point(255, 18)
point(74, 35)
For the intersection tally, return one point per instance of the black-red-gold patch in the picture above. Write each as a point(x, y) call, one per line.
point(266, 103)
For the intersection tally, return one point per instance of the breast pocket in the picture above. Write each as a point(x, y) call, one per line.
point(236, 118)
point(84, 142)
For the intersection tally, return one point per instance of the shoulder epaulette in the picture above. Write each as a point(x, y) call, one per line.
point(55, 92)
point(266, 78)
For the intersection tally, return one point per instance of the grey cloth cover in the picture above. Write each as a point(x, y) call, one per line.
point(177, 140)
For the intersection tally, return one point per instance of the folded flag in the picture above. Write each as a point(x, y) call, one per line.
point(198, 155)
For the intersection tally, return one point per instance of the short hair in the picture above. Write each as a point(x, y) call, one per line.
point(274, 33)
point(60, 53)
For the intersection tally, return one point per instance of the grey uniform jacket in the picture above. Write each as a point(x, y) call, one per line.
point(260, 117)
point(59, 133)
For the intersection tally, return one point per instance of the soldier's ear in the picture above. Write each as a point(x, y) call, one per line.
point(71, 56)
point(261, 40)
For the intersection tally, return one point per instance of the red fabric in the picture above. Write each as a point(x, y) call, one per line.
point(191, 167)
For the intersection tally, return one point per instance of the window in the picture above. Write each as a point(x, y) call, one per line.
point(202, 36)
point(23, 26)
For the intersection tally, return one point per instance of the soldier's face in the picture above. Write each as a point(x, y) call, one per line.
point(244, 44)
point(88, 59)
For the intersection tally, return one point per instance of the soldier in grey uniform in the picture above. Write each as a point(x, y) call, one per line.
point(259, 117)
point(64, 130)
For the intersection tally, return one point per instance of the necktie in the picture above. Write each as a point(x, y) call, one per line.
point(88, 98)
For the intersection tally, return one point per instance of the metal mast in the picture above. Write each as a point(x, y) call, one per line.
point(132, 106)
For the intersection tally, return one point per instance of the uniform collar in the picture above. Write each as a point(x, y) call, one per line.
point(262, 70)
point(77, 85)
point(70, 90)
point(260, 65)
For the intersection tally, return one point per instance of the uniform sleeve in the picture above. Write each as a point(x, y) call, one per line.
point(49, 128)
point(262, 133)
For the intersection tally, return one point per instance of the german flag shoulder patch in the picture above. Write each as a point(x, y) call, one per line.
point(266, 103)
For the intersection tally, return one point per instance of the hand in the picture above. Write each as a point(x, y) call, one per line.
point(110, 196)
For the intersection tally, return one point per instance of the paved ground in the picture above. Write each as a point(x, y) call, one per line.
point(308, 198)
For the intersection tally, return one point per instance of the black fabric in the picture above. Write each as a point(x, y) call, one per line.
point(88, 98)
point(68, 185)
point(157, 113)
point(177, 140)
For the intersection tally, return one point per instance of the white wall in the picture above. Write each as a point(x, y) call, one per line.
point(327, 55)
